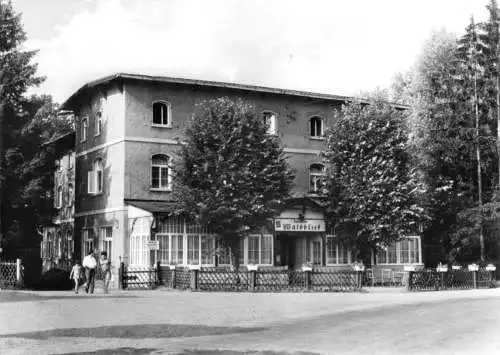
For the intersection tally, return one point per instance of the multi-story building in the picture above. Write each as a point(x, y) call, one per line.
point(129, 129)
point(57, 247)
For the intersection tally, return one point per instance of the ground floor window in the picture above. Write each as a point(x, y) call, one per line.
point(106, 240)
point(88, 240)
point(336, 252)
point(406, 251)
point(139, 253)
point(308, 250)
point(257, 249)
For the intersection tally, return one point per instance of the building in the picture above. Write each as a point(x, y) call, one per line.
point(57, 247)
point(129, 127)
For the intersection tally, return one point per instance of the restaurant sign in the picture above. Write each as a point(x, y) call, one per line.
point(299, 225)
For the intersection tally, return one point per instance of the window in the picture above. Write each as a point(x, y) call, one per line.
point(316, 127)
point(177, 250)
point(48, 251)
point(71, 159)
point(70, 195)
point(207, 249)
point(270, 121)
point(258, 250)
point(406, 251)
point(88, 240)
point(106, 239)
point(254, 249)
point(317, 178)
point(70, 245)
point(96, 178)
point(336, 252)
point(160, 172)
point(59, 245)
point(193, 251)
point(84, 126)
point(161, 114)
point(59, 197)
point(98, 123)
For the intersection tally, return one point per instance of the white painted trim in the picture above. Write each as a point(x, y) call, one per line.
point(153, 140)
point(105, 210)
point(100, 146)
point(302, 151)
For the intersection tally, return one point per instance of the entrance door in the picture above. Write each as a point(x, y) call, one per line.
point(308, 250)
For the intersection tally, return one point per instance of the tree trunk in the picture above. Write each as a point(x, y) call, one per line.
point(479, 173)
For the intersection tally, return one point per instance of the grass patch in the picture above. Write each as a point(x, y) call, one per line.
point(139, 331)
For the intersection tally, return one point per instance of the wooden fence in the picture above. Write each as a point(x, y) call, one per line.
point(11, 274)
point(253, 280)
point(432, 280)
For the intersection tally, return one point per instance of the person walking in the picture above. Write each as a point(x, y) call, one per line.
point(106, 270)
point(76, 274)
point(90, 264)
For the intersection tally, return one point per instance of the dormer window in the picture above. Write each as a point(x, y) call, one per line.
point(162, 114)
point(270, 121)
point(316, 127)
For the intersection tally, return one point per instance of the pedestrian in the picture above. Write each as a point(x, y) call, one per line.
point(76, 274)
point(90, 264)
point(106, 270)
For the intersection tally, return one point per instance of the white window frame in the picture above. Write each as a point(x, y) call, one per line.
point(338, 257)
point(106, 241)
point(271, 120)
point(98, 124)
point(322, 130)
point(164, 104)
point(94, 181)
point(161, 167)
point(84, 127)
point(59, 197)
point(88, 240)
point(246, 250)
point(398, 252)
point(316, 174)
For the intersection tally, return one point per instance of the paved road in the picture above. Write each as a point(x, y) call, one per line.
point(382, 322)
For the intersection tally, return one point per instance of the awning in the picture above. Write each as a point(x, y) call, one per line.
point(153, 206)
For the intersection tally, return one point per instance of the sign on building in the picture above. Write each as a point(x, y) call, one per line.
point(298, 225)
point(153, 244)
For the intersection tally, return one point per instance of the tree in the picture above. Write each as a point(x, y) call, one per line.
point(373, 196)
point(233, 175)
point(28, 171)
point(17, 75)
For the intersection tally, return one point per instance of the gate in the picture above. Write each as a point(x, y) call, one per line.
point(139, 277)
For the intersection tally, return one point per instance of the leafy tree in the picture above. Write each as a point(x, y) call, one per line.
point(28, 171)
point(233, 176)
point(373, 196)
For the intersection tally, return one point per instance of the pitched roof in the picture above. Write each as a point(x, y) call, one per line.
point(205, 83)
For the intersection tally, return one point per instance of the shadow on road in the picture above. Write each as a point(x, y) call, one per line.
point(13, 296)
point(136, 331)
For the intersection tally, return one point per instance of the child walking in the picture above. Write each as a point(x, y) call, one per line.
point(76, 274)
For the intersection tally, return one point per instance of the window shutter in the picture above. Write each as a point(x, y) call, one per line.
point(90, 182)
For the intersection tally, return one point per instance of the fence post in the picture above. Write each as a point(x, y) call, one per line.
point(121, 270)
point(307, 276)
point(253, 276)
point(18, 270)
point(359, 279)
point(410, 280)
point(474, 278)
point(194, 276)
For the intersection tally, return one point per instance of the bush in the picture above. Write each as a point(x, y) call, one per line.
point(55, 279)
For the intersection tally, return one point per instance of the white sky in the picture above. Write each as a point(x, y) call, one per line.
point(339, 47)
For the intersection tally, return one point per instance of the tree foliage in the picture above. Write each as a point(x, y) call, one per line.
point(233, 176)
point(373, 194)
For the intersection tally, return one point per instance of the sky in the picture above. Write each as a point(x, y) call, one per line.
point(333, 46)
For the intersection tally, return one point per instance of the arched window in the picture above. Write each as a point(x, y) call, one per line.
point(316, 127)
point(59, 197)
point(316, 177)
point(98, 123)
point(160, 172)
point(162, 113)
point(84, 126)
point(270, 121)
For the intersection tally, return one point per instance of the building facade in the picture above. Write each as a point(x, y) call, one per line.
point(128, 133)
point(58, 242)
